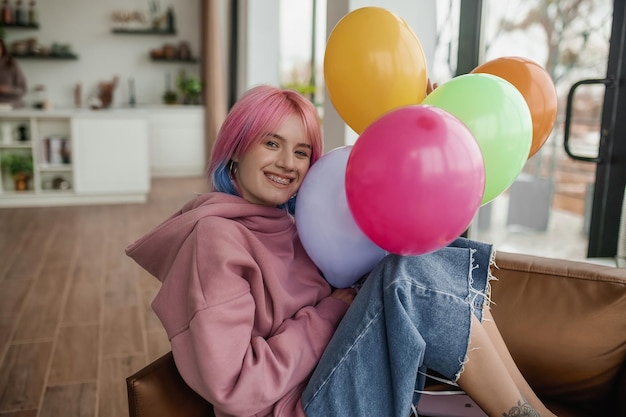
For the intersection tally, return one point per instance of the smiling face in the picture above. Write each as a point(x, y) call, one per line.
point(271, 171)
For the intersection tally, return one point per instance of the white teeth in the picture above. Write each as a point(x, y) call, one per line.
point(279, 180)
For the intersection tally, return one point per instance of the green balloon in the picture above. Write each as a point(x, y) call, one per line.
point(498, 117)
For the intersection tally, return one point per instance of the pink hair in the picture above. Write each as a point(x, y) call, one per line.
point(259, 111)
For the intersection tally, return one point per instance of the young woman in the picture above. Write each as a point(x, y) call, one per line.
point(255, 329)
point(12, 80)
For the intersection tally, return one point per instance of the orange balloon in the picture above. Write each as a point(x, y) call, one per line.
point(537, 88)
point(373, 63)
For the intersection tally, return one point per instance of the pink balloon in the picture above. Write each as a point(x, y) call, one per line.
point(415, 179)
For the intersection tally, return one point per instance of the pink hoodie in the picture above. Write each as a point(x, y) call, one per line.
point(247, 313)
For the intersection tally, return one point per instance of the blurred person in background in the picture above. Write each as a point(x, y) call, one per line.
point(12, 79)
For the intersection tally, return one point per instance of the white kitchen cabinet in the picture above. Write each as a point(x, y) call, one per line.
point(113, 155)
point(177, 143)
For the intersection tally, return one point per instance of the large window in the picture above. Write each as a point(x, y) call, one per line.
point(547, 210)
point(302, 44)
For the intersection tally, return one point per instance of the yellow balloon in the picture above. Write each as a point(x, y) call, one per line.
point(373, 63)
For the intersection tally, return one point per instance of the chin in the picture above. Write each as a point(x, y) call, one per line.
point(280, 202)
point(272, 202)
point(283, 198)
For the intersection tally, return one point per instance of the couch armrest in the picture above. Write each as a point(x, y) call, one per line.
point(565, 325)
point(158, 390)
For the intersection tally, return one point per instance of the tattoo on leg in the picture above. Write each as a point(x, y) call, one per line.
point(523, 409)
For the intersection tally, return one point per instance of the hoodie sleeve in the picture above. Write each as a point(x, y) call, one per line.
point(221, 354)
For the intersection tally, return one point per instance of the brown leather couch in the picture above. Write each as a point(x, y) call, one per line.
point(564, 322)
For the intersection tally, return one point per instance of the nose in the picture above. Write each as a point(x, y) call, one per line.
point(286, 160)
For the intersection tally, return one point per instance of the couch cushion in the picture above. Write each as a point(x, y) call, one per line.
point(565, 325)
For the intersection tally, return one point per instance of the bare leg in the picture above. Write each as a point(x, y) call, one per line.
point(487, 380)
point(496, 338)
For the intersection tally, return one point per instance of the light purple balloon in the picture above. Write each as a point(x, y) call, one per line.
point(327, 230)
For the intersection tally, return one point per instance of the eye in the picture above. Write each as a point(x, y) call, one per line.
point(271, 144)
point(302, 154)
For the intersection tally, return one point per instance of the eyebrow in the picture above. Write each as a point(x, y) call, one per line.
point(277, 136)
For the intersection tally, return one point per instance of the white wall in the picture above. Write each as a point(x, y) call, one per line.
point(86, 25)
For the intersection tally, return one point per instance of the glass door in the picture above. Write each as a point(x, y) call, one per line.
point(607, 235)
point(558, 206)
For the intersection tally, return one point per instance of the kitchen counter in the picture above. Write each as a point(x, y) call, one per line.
point(176, 139)
point(79, 156)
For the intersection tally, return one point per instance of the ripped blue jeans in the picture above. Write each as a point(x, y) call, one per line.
point(413, 313)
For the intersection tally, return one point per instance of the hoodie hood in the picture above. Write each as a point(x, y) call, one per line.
point(156, 250)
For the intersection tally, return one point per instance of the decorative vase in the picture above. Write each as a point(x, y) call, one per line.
point(21, 181)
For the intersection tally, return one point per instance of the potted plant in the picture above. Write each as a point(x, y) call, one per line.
point(190, 88)
point(20, 167)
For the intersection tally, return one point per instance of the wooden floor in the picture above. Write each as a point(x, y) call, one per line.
point(75, 317)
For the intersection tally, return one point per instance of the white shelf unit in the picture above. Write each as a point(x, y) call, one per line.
point(52, 148)
point(49, 175)
point(79, 157)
